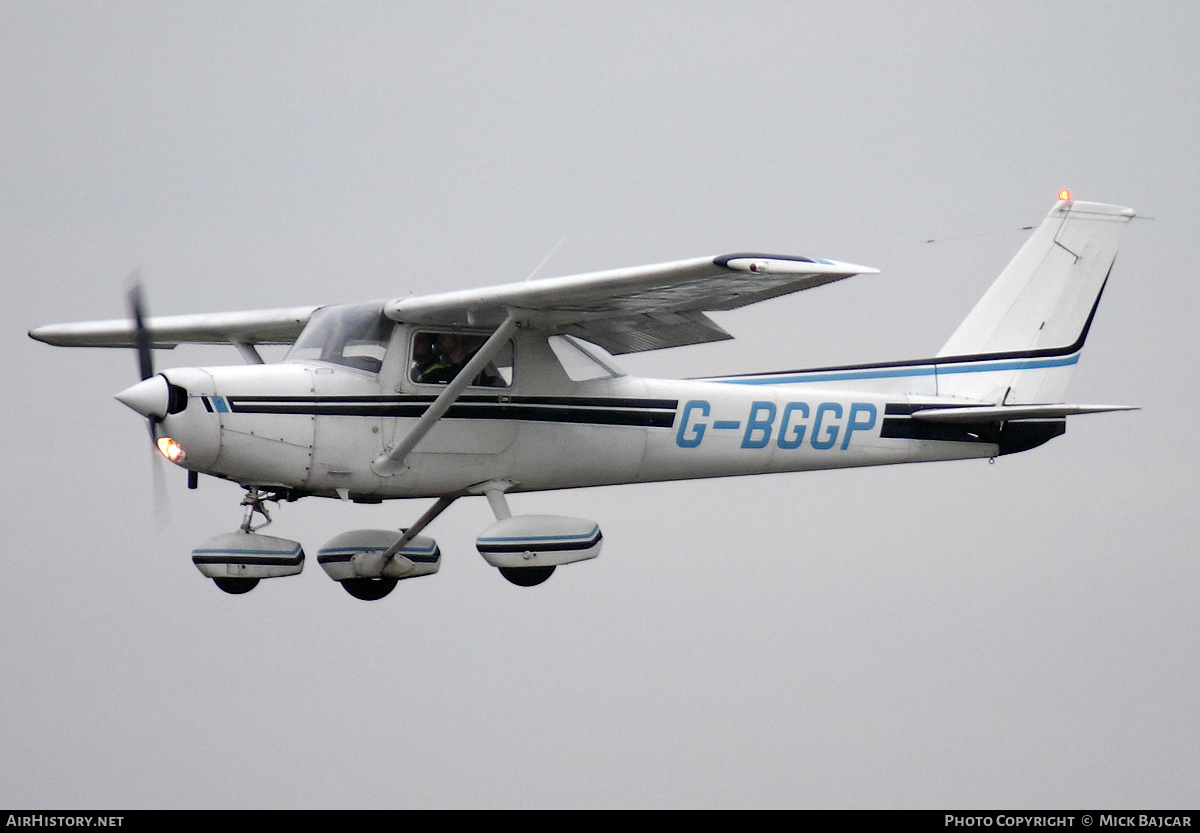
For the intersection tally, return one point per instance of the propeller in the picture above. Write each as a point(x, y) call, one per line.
point(151, 396)
point(141, 336)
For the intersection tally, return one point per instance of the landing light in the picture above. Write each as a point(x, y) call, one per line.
point(172, 450)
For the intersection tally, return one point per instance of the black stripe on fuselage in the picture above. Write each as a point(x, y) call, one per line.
point(898, 424)
point(1010, 436)
point(653, 413)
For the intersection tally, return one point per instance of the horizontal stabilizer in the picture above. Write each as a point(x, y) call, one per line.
point(1004, 413)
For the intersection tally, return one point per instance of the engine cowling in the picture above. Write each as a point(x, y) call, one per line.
point(236, 561)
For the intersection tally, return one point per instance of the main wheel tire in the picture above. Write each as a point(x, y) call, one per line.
point(236, 586)
point(527, 576)
point(369, 589)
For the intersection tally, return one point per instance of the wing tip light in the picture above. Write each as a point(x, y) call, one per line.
point(789, 265)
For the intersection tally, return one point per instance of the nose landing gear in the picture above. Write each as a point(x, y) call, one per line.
point(237, 561)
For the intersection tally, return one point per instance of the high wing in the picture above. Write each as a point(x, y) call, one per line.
point(268, 326)
point(635, 309)
point(622, 310)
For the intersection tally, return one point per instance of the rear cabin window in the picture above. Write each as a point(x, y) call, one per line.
point(437, 357)
point(583, 362)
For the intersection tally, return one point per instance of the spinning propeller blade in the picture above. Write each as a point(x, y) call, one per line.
point(142, 343)
point(141, 337)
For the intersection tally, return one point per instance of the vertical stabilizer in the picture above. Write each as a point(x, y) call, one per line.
point(1033, 320)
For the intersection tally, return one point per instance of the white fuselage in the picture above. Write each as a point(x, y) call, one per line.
point(315, 428)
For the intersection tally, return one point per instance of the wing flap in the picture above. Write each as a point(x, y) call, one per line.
point(271, 326)
point(649, 332)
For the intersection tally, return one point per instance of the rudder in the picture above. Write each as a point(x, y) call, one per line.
point(1034, 318)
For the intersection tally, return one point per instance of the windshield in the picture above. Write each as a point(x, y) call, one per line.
point(354, 336)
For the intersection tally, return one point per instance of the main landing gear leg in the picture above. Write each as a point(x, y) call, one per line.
point(520, 576)
point(373, 588)
point(443, 503)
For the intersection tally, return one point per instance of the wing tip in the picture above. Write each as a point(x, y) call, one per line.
point(48, 334)
point(788, 264)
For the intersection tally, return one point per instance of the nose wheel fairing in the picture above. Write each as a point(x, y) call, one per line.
point(248, 556)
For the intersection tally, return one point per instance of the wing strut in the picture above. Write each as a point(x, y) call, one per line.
point(249, 354)
point(393, 461)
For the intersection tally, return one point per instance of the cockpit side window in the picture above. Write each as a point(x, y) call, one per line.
point(352, 336)
point(437, 357)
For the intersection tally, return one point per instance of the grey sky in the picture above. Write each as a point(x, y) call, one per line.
point(948, 635)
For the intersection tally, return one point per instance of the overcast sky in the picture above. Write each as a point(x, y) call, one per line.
point(1014, 635)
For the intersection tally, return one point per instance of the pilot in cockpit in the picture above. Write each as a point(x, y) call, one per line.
point(439, 357)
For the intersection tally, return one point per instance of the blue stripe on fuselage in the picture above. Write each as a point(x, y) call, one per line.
point(931, 369)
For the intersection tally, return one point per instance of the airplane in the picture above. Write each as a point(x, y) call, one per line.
point(514, 388)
